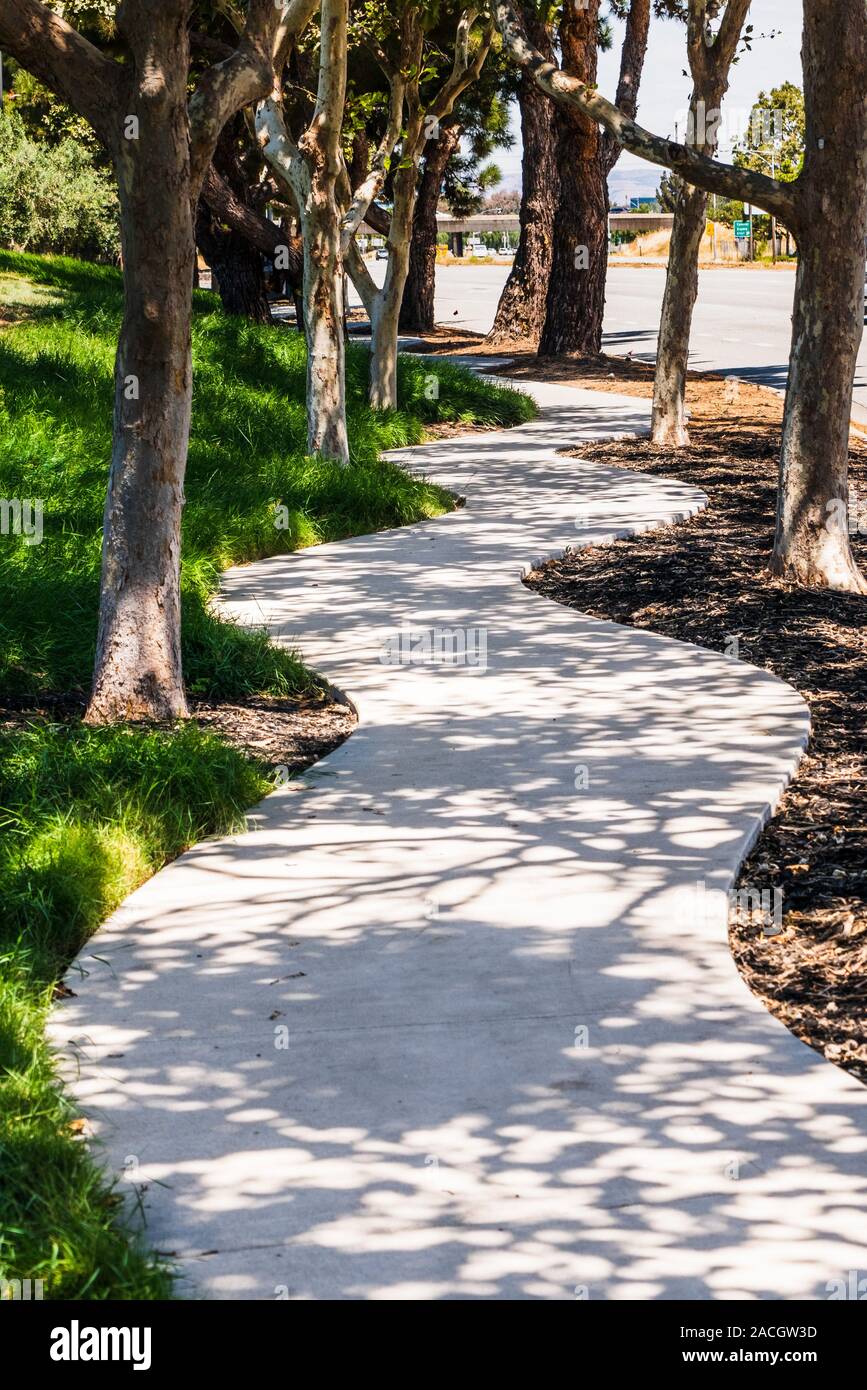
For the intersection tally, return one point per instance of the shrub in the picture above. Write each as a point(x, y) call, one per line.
point(54, 198)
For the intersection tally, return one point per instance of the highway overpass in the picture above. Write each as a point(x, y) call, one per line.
point(456, 228)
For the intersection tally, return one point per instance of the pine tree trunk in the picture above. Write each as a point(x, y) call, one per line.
point(521, 310)
point(812, 539)
point(417, 311)
point(138, 672)
point(669, 424)
point(576, 287)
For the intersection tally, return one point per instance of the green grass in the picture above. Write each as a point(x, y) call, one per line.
point(88, 814)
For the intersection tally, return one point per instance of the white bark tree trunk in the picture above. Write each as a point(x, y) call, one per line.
point(324, 328)
point(668, 417)
point(385, 313)
point(383, 305)
point(313, 168)
point(710, 61)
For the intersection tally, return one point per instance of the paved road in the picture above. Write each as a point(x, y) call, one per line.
point(742, 322)
point(457, 1017)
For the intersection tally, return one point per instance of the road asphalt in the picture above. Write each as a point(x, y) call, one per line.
point(742, 322)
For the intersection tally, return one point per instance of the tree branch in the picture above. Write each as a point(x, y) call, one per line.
point(266, 236)
point(632, 57)
point(698, 169)
point(464, 70)
point(280, 151)
point(243, 77)
point(49, 48)
point(327, 123)
point(372, 184)
point(361, 278)
point(729, 35)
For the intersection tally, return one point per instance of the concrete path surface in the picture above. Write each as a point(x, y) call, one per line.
point(456, 1018)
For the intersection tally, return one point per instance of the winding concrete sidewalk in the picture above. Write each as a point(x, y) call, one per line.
point(457, 1017)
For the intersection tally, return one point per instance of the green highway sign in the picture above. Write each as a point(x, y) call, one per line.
point(742, 230)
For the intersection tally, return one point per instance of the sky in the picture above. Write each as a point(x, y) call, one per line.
point(665, 91)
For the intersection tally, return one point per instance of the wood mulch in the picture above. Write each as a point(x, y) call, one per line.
point(704, 580)
point(287, 734)
point(291, 734)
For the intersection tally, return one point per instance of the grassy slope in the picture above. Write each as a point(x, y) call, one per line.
point(86, 815)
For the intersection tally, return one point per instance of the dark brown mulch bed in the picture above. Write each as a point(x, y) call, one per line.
point(703, 580)
point(288, 734)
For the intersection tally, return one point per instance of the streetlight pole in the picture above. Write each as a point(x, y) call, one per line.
point(773, 216)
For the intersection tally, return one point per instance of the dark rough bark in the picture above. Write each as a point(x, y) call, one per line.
point(812, 540)
point(521, 310)
point(576, 285)
point(234, 237)
point(576, 289)
point(237, 269)
point(417, 313)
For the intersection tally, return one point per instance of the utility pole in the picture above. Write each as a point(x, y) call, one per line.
point(773, 218)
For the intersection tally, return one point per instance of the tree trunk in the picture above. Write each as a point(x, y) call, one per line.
point(812, 545)
point(241, 280)
point(521, 310)
point(812, 539)
point(323, 262)
point(681, 291)
point(138, 672)
point(384, 321)
point(323, 320)
point(417, 312)
point(385, 313)
point(710, 65)
point(237, 269)
point(576, 285)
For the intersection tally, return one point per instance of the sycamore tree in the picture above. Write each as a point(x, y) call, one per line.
point(310, 164)
point(826, 208)
point(420, 102)
point(161, 137)
point(714, 32)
